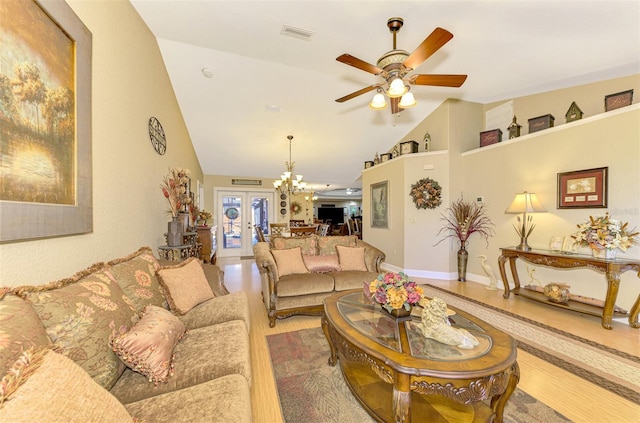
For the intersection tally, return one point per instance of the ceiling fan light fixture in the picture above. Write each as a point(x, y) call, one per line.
point(396, 88)
point(378, 102)
point(407, 100)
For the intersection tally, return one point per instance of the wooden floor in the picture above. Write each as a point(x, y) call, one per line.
point(574, 397)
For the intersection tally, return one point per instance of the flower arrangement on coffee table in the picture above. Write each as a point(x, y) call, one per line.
point(394, 291)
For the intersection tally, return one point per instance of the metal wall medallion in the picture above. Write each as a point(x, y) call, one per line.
point(157, 136)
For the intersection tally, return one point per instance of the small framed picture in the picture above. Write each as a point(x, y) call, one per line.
point(568, 244)
point(583, 189)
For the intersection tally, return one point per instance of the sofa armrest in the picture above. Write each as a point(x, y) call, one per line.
point(373, 257)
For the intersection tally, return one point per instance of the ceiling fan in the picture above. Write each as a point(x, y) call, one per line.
point(395, 67)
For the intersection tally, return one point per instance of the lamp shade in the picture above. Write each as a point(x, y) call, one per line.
point(525, 202)
point(396, 88)
point(378, 102)
point(407, 100)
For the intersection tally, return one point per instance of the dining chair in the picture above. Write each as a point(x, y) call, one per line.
point(295, 222)
point(323, 229)
point(277, 229)
point(259, 233)
point(300, 231)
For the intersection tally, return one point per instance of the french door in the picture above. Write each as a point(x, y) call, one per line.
point(236, 213)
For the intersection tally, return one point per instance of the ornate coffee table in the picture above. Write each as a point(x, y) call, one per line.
point(398, 375)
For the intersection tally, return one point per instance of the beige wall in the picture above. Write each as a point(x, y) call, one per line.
point(130, 85)
point(498, 172)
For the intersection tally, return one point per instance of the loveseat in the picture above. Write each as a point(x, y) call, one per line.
point(133, 339)
point(297, 274)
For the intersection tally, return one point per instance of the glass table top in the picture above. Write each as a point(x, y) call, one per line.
point(369, 319)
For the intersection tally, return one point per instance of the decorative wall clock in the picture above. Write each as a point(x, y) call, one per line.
point(157, 136)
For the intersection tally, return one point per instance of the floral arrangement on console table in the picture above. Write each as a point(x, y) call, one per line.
point(174, 189)
point(395, 293)
point(461, 220)
point(605, 235)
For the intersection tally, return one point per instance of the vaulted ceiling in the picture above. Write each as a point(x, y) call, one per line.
point(262, 86)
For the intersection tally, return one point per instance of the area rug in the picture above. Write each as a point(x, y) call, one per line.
point(311, 391)
point(614, 370)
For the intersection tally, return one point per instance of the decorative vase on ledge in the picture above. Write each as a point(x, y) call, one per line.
point(174, 232)
point(605, 253)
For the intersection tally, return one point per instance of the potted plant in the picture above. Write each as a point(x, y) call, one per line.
point(461, 220)
point(605, 235)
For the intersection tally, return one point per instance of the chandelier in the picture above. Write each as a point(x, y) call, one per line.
point(287, 184)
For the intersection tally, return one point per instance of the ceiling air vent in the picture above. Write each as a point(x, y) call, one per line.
point(246, 182)
point(295, 32)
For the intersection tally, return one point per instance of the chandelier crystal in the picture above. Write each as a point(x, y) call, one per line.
point(287, 184)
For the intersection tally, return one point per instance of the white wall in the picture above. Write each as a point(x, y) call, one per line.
point(130, 85)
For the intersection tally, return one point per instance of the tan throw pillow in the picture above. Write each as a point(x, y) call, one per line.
point(351, 258)
point(322, 264)
point(185, 285)
point(148, 347)
point(44, 386)
point(80, 314)
point(20, 329)
point(289, 261)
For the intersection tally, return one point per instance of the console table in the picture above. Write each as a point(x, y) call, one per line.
point(611, 268)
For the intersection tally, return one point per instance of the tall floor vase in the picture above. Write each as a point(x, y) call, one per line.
point(174, 232)
point(463, 257)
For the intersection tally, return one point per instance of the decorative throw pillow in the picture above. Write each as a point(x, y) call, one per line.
point(321, 264)
point(308, 245)
point(20, 329)
point(289, 261)
point(351, 258)
point(148, 347)
point(45, 386)
point(327, 244)
point(185, 285)
point(136, 275)
point(80, 314)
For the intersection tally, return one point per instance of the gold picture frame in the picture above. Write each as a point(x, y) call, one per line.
point(50, 53)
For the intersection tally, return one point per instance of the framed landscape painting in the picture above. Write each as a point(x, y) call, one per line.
point(583, 188)
point(45, 121)
point(380, 205)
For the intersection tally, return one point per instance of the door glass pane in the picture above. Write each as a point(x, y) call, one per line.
point(231, 221)
point(260, 215)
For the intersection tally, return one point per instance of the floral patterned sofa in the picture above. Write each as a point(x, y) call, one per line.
point(299, 273)
point(133, 339)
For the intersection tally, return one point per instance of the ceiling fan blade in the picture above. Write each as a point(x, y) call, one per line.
point(360, 64)
point(438, 80)
point(395, 105)
point(430, 45)
point(357, 93)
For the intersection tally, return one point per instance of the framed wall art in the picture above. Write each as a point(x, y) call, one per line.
point(46, 175)
point(380, 205)
point(583, 188)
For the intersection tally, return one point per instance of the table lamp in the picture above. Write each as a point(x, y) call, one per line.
point(524, 203)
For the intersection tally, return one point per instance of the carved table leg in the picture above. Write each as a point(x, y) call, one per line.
point(514, 272)
point(402, 398)
point(333, 358)
point(633, 314)
point(498, 402)
point(613, 283)
point(503, 274)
